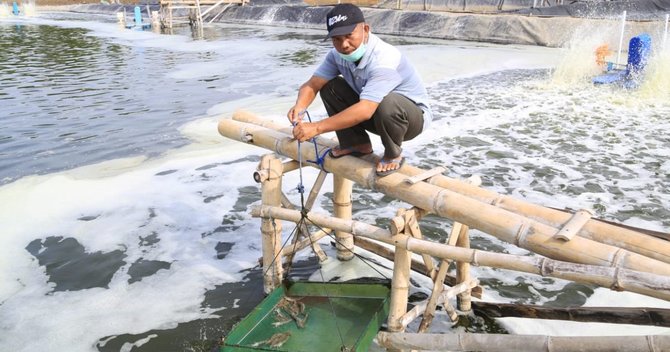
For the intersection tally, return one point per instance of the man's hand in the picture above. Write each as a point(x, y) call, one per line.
point(304, 131)
point(295, 114)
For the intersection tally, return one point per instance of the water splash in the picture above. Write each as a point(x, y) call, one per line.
point(269, 16)
point(578, 66)
point(4, 10)
point(656, 85)
point(29, 9)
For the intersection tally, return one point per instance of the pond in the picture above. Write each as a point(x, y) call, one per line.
point(125, 215)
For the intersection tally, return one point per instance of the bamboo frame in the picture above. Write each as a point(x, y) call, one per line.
point(406, 223)
point(457, 231)
point(442, 298)
point(511, 227)
point(594, 230)
point(526, 343)
point(418, 266)
point(615, 278)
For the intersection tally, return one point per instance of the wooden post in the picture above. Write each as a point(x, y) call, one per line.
point(271, 228)
point(342, 208)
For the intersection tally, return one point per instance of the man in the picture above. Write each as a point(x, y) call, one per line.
point(366, 85)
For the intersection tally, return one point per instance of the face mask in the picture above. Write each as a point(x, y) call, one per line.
point(356, 55)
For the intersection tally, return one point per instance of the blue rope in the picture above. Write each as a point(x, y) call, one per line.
point(319, 159)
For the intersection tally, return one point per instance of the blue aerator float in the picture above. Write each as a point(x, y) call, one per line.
point(639, 49)
point(138, 25)
point(15, 9)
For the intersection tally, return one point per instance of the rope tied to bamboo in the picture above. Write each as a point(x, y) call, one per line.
point(319, 158)
point(304, 219)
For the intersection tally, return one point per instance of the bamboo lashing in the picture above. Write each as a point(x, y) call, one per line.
point(595, 230)
point(615, 278)
point(511, 227)
point(526, 343)
point(570, 229)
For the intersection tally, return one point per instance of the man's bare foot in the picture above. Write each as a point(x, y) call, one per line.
point(357, 150)
point(389, 166)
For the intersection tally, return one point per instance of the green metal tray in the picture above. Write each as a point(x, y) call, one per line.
point(336, 314)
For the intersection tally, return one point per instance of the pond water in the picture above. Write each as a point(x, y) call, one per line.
point(125, 215)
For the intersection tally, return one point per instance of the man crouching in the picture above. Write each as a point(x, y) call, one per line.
point(365, 84)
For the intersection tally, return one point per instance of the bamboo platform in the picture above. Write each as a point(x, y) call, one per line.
point(574, 247)
point(196, 15)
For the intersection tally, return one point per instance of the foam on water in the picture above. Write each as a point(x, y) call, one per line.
point(498, 115)
point(120, 212)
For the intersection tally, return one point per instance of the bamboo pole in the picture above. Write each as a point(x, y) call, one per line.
point(399, 289)
point(306, 242)
point(407, 223)
point(513, 228)
point(526, 343)
point(606, 233)
point(429, 313)
point(612, 315)
point(342, 208)
point(463, 271)
point(271, 228)
point(418, 266)
point(463, 268)
point(615, 278)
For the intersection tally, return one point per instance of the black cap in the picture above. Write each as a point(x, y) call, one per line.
point(342, 19)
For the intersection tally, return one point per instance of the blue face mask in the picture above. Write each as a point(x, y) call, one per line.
point(356, 54)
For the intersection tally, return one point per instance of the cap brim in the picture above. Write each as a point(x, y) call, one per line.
point(344, 30)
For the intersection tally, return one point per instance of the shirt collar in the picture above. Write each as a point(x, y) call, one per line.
point(372, 42)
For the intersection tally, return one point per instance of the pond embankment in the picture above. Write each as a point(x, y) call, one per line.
point(502, 28)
